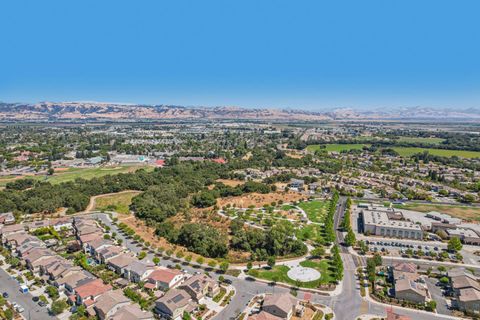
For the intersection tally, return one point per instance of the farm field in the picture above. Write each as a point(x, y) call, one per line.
point(421, 140)
point(279, 274)
point(337, 147)
point(409, 151)
point(118, 202)
point(458, 211)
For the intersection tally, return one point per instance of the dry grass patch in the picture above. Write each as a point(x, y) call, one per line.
point(258, 199)
point(118, 202)
point(458, 211)
point(230, 183)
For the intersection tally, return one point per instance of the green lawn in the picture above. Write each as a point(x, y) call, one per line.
point(312, 232)
point(279, 274)
point(337, 147)
point(88, 173)
point(421, 140)
point(315, 210)
point(407, 152)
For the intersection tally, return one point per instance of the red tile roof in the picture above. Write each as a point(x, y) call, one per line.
point(219, 160)
point(92, 288)
point(164, 275)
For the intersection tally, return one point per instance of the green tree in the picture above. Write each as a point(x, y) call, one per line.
point(52, 292)
point(156, 260)
point(350, 238)
point(59, 306)
point(271, 261)
point(224, 266)
point(454, 244)
point(318, 252)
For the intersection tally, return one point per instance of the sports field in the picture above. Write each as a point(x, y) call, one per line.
point(71, 174)
point(458, 211)
point(421, 140)
point(407, 152)
point(336, 147)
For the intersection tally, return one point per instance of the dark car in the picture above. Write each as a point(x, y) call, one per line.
point(5, 295)
point(35, 299)
point(227, 281)
point(42, 303)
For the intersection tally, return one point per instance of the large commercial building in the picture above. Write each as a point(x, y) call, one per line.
point(389, 224)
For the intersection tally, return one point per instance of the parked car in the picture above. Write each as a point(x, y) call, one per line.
point(42, 303)
point(5, 294)
point(35, 299)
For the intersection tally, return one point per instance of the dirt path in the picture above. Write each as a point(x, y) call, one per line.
point(91, 204)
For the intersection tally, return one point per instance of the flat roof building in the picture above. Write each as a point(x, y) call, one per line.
point(379, 223)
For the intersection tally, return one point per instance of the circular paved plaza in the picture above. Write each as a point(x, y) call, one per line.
point(303, 274)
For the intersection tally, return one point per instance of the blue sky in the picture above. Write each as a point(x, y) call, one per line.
point(298, 54)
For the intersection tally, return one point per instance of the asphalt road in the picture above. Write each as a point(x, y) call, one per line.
point(32, 310)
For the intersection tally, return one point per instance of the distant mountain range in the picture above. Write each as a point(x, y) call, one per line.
point(98, 111)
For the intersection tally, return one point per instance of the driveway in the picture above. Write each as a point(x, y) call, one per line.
point(436, 294)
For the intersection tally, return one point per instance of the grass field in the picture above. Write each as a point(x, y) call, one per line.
point(337, 147)
point(421, 140)
point(458, 211)
point(73, 173)
point(407, 152)
point(315, 210)
point(279, 274)
point(118, 202)
point(312, 232)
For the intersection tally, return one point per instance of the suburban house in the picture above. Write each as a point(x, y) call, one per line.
point(199, 286)
point(163, 278)
point(132, 311)
point(408, 290)
point(7, 218)
point(93, 246)
point(107, 253)
point(58, 268)
point(27, 247)
point(174, 303)
point(14, 240)
point(109, 303)
point(279, 305)
point(467, 291)
point(262, 315)
point(138, 270)
point(72, 280)
point(62, 223)
point(33, 258)
point(89, 292)
point(120, 262)
point(6, 230)
point(296, 183)
point(469, 300)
